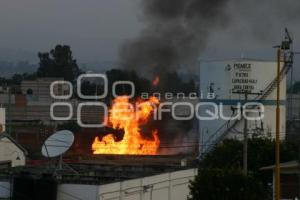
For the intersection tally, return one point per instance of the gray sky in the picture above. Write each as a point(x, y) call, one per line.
point(95, 29)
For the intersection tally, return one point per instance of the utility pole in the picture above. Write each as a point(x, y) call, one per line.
point(277, 137)
point(245, 132)
point(9, 110)
point(245, 143)
point(285, 50)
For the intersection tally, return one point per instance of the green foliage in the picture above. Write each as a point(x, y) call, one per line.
point(141, 84)
point(228, 158)
point(261, 152)
point(16, 79)
point(228, 184)
point(72, 126)
point(58, 63)
point(225, 155)
point(89, 87)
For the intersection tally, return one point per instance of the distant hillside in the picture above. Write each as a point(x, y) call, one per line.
point(9, 68)
point(10, 54)
point(18, 61)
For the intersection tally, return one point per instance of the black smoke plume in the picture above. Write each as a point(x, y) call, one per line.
point(176, 32)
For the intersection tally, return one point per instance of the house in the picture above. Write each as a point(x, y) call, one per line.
point(289, 179)
point(11, 153)
point(172, 185)
point(38, 91)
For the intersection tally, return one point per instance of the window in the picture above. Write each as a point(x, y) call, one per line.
point(29, 92)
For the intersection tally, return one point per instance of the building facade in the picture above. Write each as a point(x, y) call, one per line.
point(234, 83)
point(11, 153)
point(167, 186)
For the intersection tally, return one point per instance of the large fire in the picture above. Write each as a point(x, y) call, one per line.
point(128, 117)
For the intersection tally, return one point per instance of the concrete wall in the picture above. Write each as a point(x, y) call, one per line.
point(40, 89)
point(4, 190)
point(75, 192)
point(11, 152)
point(4, 98)
point(168, 186)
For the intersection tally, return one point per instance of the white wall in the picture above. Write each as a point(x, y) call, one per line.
point(223, 77)
point(10, 152)
point(4, 99)
point(168, 186)
point(4, 190)
point(2, 119)
point(75, 192)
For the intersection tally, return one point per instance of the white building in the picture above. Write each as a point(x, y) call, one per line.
point(11, 153)
point(167, 186)
point(289, 179)
point(228, 77)
point(2, 120)
point(5, 190)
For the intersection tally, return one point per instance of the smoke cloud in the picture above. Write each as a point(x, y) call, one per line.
point(177, 31)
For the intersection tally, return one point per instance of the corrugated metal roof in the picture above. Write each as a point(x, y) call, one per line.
point(290, 164)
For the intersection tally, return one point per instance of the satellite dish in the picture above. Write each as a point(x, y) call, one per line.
point(57, 144)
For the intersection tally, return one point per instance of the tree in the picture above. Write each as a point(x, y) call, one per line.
point(58, 63)
point(16, 79)
point(229, 154)
point(226, 184)
point(261, 152)
point(71, 125)
point(140, 84)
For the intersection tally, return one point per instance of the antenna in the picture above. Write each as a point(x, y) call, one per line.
point(56, 145)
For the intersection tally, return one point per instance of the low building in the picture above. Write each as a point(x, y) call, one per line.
point(33, 103)
point(39, 90)
point(11, 153)
point(5, 189)
point(173, 185)
point(289, 180)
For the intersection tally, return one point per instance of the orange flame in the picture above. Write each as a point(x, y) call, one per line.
point(124, 115)
point(156, 81)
